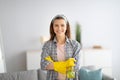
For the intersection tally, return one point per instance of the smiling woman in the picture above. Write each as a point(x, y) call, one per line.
point(2, 61)
point(60, 54)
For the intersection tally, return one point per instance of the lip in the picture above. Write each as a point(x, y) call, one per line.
point(59, 31)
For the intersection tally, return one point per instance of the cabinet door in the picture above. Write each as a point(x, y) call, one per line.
point(33, 59)
point(100, 58)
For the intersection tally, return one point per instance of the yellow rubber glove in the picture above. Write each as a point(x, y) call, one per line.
point(62, 65)
point(70, 68)
point(58, 66)
point(48, 58)
point(70, 62)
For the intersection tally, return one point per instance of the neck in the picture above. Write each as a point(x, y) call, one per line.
point(60, 40)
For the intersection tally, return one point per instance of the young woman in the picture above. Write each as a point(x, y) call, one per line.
point(60, 48)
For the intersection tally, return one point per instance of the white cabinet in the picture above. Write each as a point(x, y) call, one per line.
point(33, 60)
point(100, 58)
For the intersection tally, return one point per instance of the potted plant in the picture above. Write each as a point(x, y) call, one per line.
point(78, 32)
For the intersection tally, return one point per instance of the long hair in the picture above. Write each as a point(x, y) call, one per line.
point(52, 33)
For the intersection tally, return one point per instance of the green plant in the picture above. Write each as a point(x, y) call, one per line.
point(78, 33)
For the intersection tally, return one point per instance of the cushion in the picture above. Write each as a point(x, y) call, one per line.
point(42, 74)
point(27, 75)
point(8, 76)
point(90, 67)
point(86, 74)
point(22, 75)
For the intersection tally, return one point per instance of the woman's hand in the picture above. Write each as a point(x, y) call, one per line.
point(50, 66)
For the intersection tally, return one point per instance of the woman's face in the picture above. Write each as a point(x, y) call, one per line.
point(59, 27)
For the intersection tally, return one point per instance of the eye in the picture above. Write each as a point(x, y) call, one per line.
point(62, 25)
point(56, 25)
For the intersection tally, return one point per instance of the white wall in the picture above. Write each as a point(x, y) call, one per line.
point(24, 21)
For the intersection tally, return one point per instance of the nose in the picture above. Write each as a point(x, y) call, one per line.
point(59, 27)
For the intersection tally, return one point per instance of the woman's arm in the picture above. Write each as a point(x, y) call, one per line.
point(50, 66)
point(76, 55)
point(45, 52)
